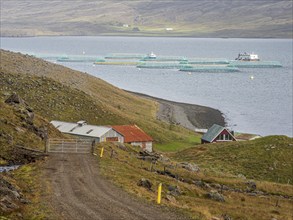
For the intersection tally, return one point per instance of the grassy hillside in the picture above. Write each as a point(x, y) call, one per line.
point(18, 128)
point(268, 158)
point(214, 18)
point(189, 191)
point(21, 126)
point(59, 93)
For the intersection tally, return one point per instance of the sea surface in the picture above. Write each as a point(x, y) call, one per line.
point(262, 105)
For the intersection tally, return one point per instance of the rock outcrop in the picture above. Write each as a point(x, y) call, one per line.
point(26, 114)
point(10, 197)
point(145, 183)
point(214, 195)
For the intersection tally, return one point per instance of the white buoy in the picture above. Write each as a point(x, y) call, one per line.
point(189, 73)
point(251, 77)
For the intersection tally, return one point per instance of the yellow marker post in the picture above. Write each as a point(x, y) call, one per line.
point(159, 193)
point(102, 152)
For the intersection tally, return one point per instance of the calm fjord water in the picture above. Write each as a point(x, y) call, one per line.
point(262, 105)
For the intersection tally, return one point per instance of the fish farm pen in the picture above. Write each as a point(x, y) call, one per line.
point(69, 58)
point(118, 62)
point(48, 56)
point(125, 56)
point(210, 61)
point(80, 59)
point(164, 58)
point(151, 61)
point(254, 64)
point(209, 69)
point(161, 65)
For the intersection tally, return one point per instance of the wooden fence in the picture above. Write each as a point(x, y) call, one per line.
point(80, 146)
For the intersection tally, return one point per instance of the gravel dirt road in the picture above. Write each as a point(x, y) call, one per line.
point(80, 192)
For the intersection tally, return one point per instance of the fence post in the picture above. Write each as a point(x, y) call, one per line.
point(159, 193)
point(62, 145)
point(46, 139)
point(102, 152)
point(46, 145)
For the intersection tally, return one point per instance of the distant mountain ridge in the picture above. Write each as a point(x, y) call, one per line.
point(198, 18)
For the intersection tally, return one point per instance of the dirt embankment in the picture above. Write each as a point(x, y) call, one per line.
point(80, 192)
point(189, 116)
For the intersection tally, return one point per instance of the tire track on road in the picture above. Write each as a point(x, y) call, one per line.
point(80, 192)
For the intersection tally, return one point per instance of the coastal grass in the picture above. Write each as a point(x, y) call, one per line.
point(189, 141)
point(268, 158)
point(125, 170)
point(28, 179)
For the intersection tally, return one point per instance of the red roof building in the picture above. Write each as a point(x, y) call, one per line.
point(135, 136)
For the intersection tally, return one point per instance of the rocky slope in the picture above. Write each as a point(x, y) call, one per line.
point(22, 140)
point(21, 129)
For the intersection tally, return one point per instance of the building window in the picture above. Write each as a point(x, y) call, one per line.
point(221, 137)
point(224, 137)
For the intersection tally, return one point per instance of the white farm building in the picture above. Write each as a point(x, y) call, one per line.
point(82, 130)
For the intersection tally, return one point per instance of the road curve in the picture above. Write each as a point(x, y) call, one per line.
point(80, 192)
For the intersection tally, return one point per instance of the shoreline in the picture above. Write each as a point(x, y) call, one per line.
point(142, 35)
point(190, 116)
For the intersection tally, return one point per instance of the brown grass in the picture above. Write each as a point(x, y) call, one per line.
point(126, 170)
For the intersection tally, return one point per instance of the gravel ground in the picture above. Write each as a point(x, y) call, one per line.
point(80, 192)
point(187, 115)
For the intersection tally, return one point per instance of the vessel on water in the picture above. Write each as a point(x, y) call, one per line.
point(152, 55)
point(247, 57)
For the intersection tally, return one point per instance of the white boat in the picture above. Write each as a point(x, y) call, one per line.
point(247, 57)
point(152, 55)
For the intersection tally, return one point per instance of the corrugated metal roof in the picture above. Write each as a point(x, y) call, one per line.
point(84, 130)
point(132, 133)
point(212, 133)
